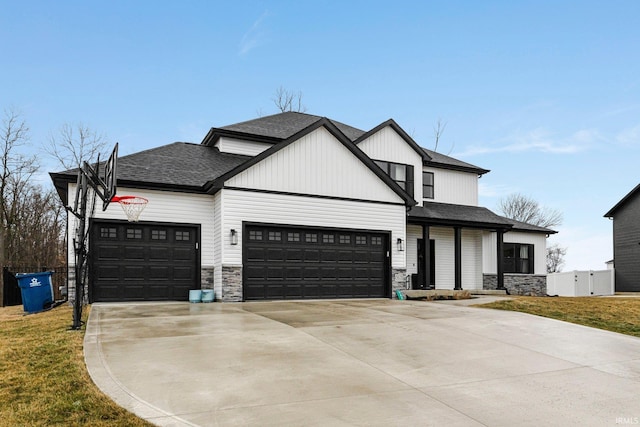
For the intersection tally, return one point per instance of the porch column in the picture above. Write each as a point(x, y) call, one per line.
point(427, 258)
point(458, 257)
point(499, 257)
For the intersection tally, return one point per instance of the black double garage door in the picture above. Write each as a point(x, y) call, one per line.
point(282, 262)
point(143, 261)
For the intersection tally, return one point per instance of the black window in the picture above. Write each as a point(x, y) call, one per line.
point(275, 236)
point(361, 240)
point(311, 238)
point(293, 237)
point(255, 235)
point(518, 258)
point(134, 233)
point(327, 238)
point(427, 185)
point(183, 236)
point(402, 174)
point(376, 240)
point(108, 232)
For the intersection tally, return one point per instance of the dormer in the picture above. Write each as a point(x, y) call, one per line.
point(234, 142)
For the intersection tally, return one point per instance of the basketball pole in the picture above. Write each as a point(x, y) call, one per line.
point(105, 189)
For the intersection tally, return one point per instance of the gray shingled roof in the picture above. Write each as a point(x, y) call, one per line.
point(285, 125)
point(441, 160)
point(177, 165)
point(450, 214)
point(470, 216)
point(523, 226)
point(180, 163)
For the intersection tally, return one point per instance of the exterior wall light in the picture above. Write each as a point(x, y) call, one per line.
point(400, 245)
point(234, 237)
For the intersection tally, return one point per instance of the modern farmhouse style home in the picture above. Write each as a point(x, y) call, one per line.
point(297, 206)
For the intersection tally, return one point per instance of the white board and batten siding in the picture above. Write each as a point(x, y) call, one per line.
point(316, 164)
point(243, 206)
point(538, 240)
point(163, 206)
point(218, 243)
point(456, 187)
point(445, 256)
point(237, 146)
point(387, 145)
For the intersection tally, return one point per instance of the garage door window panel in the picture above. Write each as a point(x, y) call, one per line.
point(275, 236)
point(183, 236)
point(293, 237)
point(108, 233)
point(158, 235)
point(134, 233)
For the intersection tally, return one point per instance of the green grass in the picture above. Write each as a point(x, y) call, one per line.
point(43, 378)
point(612, 314)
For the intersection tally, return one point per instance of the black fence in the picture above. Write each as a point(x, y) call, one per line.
point(11, 292)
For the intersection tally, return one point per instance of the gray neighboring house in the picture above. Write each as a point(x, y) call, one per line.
point(626, 241)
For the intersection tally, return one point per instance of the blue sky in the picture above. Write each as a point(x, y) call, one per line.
point(546, 94)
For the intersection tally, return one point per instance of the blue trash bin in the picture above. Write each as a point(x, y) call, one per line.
point(36, 289)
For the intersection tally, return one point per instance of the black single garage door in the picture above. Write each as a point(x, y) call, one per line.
point(281, 262)
point(143, 261)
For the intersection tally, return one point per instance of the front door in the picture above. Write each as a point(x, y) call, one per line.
point(432, 263)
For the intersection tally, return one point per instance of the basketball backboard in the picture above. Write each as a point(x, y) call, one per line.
point(109, 177)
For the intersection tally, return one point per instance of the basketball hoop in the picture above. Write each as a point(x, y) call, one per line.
point(131, 205)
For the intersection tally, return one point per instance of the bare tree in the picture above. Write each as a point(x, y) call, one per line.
point(525, 209)
point(438, 130)
point(16, 171)
point(288, 101)
point(76, 143)
point(555, 258)
point(31, 226)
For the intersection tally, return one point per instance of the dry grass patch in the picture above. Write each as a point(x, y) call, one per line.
point(43, 379)
point(612, 314)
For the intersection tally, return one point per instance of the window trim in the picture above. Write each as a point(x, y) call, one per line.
point(430, 186)
point(408, 183)
point(515, 267)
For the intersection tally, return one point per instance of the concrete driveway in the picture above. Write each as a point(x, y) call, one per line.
point(367, 362)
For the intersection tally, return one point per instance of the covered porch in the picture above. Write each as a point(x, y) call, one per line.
point(460, 230)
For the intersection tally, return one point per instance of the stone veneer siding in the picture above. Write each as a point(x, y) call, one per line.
point(518, 284)
point(231, 283)
point(206, 279)
point(398, 281)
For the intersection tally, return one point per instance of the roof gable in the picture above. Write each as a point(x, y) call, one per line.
point(275, 128)
point(332, 129)
point(633, 193)
point(393, 125)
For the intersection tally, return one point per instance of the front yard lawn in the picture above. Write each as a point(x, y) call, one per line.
point(612, 314)
point(43, 379)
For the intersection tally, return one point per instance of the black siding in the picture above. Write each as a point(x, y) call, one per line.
point(626, 246)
